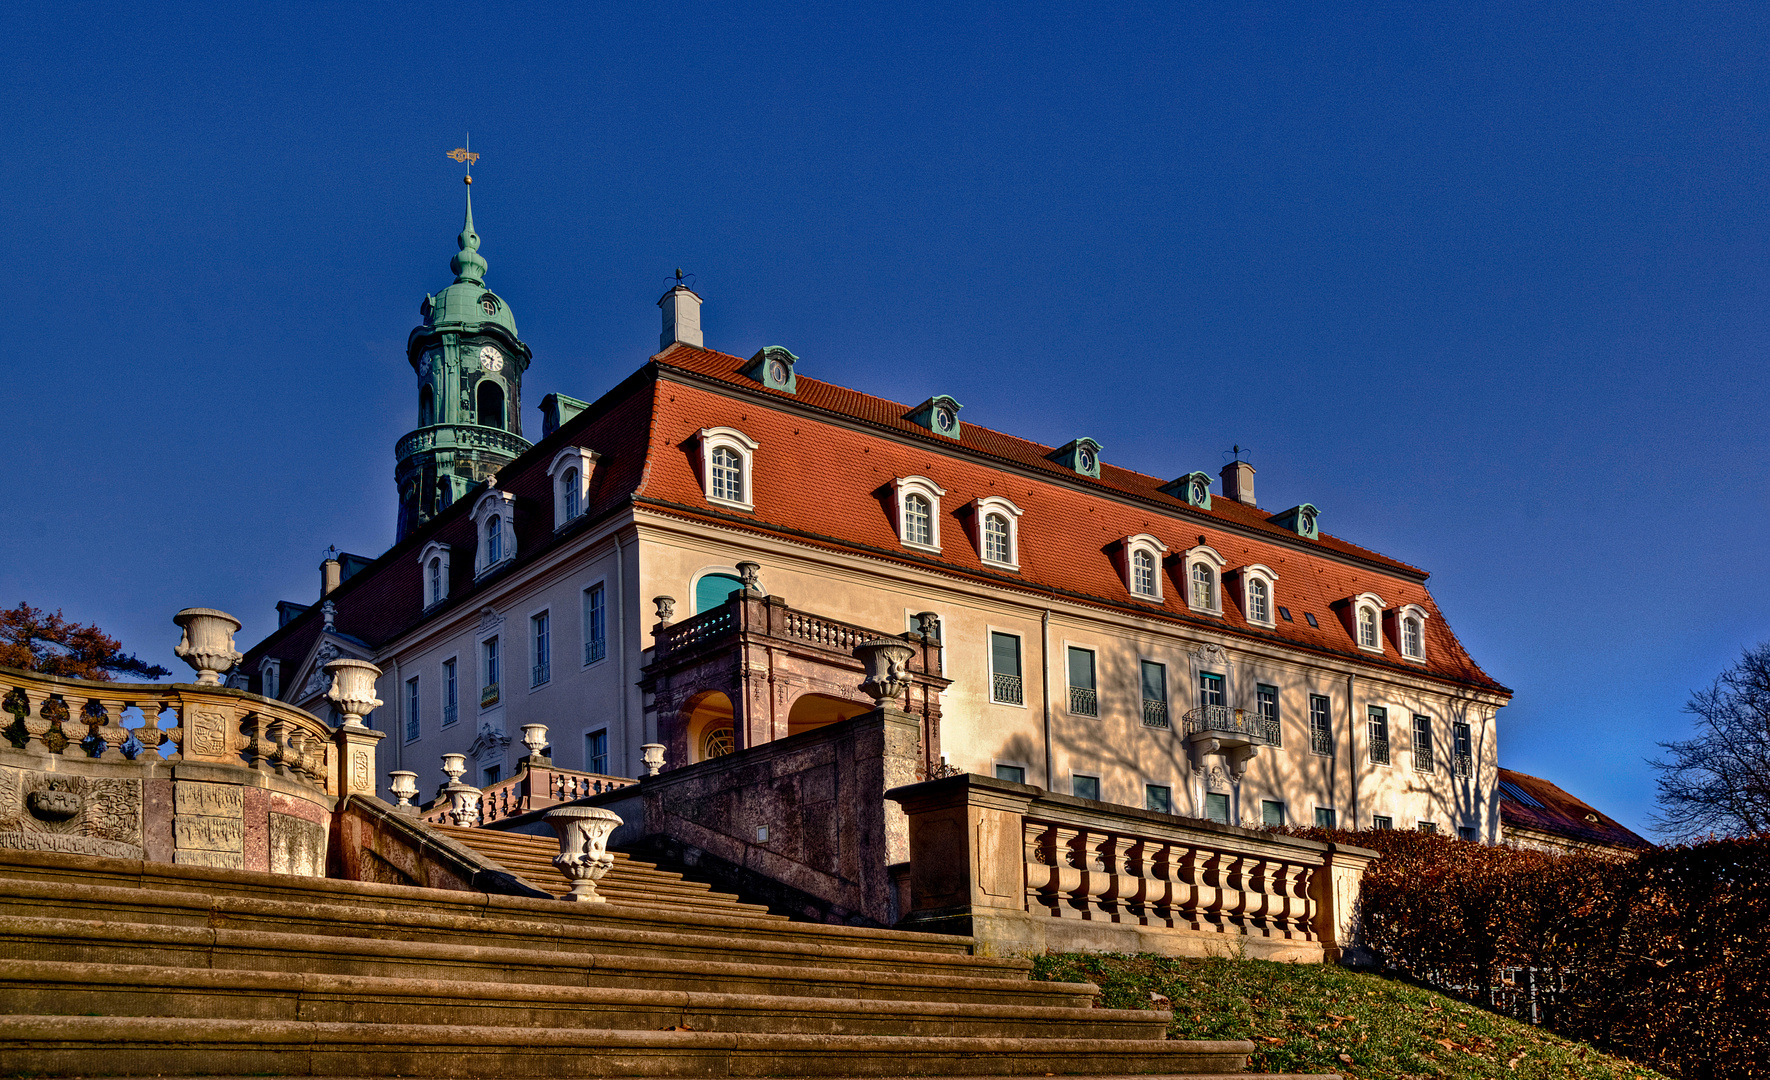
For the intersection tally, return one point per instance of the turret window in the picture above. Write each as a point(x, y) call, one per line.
point(426, 407)
point(491, 404)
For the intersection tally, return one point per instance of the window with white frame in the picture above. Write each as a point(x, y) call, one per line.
point(1005, 684)
point(435, 561)
point(571, 472)
point(1411, 635)
point(1083, 786)
point(728, 467)
point(1143, 566)
point(596, 752)
point(1259, 587)
point(998, 531)
point(1204, 575)
point(595, 624)
point(918, 512)
point(495, 523)
point(1367, 621)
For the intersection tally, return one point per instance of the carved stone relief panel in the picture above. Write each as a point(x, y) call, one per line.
point(1216, 780)
point(80, 815)
point(208, 826)
point(297, 846)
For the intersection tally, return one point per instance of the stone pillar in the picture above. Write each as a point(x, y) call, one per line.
point(1334, 890)
point(353, 691)
point(968, 861)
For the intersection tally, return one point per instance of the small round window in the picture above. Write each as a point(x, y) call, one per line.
point(488, 305)
point(945, 418)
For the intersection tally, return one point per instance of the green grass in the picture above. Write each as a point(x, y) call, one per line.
point(1320, 1018)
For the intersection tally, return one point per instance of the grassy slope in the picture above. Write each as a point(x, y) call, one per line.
point(1322, 1018)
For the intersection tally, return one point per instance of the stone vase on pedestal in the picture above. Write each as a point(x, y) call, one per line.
point(887, 663)
point(651, 755)
point(353, 689)
point(583, 848)
point(208, 642)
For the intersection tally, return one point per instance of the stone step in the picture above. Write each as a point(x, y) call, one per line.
point(109, 941)
point(173, 1046)
point(29, 987)
point(35, 866)
point(121, 906)
point(629, 881)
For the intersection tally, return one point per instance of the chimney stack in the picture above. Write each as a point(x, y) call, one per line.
point(1238, 482)
point(331, 575)
point(682, 316)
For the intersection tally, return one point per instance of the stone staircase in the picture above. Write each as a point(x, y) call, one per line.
point(130, 968)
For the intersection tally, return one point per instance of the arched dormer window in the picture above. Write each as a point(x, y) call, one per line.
point(491, 404)
point(1367, 621)
point(728, 467)
point(1259, 594)
point(1410, 637)
point(426, 406)
point(435, 561)
point(571, 471)
point(997, 524)
point(494, 518)
point(1204, 577)
point(918, 512)
point(1143, 566)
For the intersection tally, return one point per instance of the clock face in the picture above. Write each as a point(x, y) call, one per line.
point(945, 418)
point(777, 371)
point(424, 363)
point(491, 359)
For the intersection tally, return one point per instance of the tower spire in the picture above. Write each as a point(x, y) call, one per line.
point(468, 264)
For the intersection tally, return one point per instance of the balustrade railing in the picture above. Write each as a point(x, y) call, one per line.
point(177, 722)
point(518, 794)
point(1231, 721)
point(840, 637)
point(693, 631)
point(488, 438)
point(1077, 871)
point(1155, 713)
point(1007, 690)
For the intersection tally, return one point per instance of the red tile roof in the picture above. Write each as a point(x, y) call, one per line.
point(1559, 814)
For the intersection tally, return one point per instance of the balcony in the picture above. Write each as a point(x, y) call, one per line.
point(1232, 726)
point(1006, 690)
point(448, 715)
point(1465, 765)
point(540, 673)
point(488, 696)
point(1084, 701)
point(1379, 750)
point(1321, 741)
point(595, 649)
point(465, 435)
point(1155, 714)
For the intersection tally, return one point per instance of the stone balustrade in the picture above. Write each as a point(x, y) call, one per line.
point(535, 785)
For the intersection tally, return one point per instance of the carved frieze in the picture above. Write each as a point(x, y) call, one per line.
point(297, 846)
point(100, 808)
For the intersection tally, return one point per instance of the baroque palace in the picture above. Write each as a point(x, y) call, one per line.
point(690, 559)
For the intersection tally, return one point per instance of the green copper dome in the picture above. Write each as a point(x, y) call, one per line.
point(467, 303)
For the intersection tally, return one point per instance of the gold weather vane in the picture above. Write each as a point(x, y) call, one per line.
point(463, 154)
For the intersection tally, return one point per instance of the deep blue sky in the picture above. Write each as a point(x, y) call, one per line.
point(1488, 286)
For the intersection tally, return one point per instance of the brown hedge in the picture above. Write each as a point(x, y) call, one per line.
point(1664, 956)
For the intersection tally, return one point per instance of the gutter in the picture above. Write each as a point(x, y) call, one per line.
point(1045, 690)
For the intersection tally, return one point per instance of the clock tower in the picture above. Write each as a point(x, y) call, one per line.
point(469, 363)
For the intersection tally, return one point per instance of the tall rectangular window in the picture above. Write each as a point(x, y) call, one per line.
point(412, 728)
point(449, 692)
point(1085, 787)
point(1217, 807)
point(1271, 812)
point(1266, 699)
point(1379, 734)
point(1464, 747)
point(596, 752)
point(271, 688)
point(1210, 690)
point(1155, 694)
point(595, 625)
point(1004, 670)
point(1326, 818)
point(1158, 797)
point(1084, 697)
point(1321, 725)
point(488, 670)
point(541, 637)
point(1423, 743)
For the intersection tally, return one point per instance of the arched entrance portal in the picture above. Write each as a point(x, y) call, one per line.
point(709, 725)
point(812, 711)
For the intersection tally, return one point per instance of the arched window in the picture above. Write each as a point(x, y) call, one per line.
point(435, 580)
point(918, 521)
point(570, 482)
point(1367, 628)
point(491, 404)
point(1411, 638)
point(1142, 573)
point(494, 540)
point(426, 407)
point(1204, 586)
point(728, 475)
point(713, 590)
point(1259, 602)
point(996, 547)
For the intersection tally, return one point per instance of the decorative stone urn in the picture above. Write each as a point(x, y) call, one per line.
point(353, 689)
point(583, 848)
point(750, 574)
point(463, 804)
point(403, 785)
point(453, 765)
point(666, 609)
point(651, 754)
point(534, 736)
point(208, 642)
point(887, 663)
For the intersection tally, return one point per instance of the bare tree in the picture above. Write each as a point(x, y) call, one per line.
point(1719, 781)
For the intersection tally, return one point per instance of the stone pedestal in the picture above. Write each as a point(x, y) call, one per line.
point(356, 747)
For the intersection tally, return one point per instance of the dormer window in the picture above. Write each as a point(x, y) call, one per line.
point(772, 366)
point(1143, 564)
point(434, 560)
point(571, 471)
point(939, 414)
point(495, 521)
point(1204, 574)
point(997, 522)
point(1259, 588)
point(918, 512)
point(1367, 615)
point(1082, 455)
point(727, 467)
point(1193, 489)
point(1411, 632)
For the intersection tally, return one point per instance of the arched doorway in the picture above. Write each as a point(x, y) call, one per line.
point(712, 590)
point(491, 404)
point(708, 722)
point(812, 711)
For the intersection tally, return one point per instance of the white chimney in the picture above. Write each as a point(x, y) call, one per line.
point(682, 318)
point(1238, 482)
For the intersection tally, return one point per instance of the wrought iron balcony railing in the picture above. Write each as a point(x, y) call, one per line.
point(1007, 690)
point(1083, 701)
point(448, 715)
point(595, 649)
point(1155, 713)
point(1465, 765)
point(1380, 751)
point(1423, 758)
point(540, 674)
point(1321, 742)
point(1228, 721)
